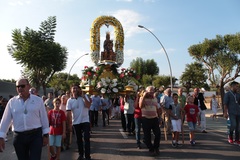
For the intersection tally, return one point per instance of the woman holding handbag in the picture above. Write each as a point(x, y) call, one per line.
point(129, 114)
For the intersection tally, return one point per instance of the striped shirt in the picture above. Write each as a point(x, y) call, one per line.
point(150, 108)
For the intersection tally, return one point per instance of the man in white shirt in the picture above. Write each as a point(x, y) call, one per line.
point(27, 114)
point(78, 116)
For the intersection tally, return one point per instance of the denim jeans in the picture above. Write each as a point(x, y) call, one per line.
point(82, 130)
point(234, 126)
point(138, 126)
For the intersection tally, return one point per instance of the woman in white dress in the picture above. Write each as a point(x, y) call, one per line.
point(214, 106)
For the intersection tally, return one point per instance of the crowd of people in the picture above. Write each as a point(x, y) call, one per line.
point(38, 121)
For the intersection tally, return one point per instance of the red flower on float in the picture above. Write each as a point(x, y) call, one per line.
point(137, 77)
point(121, 75)
point(89, 73)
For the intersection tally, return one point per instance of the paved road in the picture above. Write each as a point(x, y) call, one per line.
point(109, 143)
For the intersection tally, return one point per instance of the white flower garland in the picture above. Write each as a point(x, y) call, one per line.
point(107, 85)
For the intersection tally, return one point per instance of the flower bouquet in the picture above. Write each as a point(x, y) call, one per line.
point(94, 80)
point(88, 73)
point(109, 86)
point(128, 74)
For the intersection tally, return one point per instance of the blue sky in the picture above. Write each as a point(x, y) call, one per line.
point(178, 24)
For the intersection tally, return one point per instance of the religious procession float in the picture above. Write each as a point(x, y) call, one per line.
point(106, 77)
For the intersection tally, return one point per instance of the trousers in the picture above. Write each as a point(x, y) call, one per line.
point(28, 145)
point(82, 131)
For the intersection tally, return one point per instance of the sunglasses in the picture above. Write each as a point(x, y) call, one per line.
point(22, 86)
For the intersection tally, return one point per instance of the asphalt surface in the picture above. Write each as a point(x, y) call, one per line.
point(110, 143)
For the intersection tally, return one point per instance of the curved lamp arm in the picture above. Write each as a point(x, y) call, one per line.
point(140, 26)
point(75, 63)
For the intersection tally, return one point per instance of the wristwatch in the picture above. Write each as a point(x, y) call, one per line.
point(46, 135)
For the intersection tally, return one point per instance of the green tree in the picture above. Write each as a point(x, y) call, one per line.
point(221, 57)
point(147, 80)
point(159, 81)
point(193, 76)
point(138, 65)
point(59, 83)
point(151, 67)
point(38, 53)
point(148, 67)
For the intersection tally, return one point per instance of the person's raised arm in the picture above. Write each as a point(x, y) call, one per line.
point(142, 100)
point(136, 102)
point(87, 100)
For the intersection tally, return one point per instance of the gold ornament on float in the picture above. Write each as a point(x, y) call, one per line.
point(95, 40)
point(105, 78)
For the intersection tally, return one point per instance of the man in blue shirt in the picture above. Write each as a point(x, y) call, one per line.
point(96, 103)
point(232, 110)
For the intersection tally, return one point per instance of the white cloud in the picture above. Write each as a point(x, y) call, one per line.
point(129, 20)
point(131, 53)
point(169, 50)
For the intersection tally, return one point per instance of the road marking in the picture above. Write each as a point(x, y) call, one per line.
point(123, 134)
point(217, 132)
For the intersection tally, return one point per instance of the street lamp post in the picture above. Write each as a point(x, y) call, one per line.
point(140, 26)
point(75, 63)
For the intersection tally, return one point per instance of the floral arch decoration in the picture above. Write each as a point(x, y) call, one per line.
point(95, 38)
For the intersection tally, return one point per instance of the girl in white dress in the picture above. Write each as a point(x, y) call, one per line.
point(214, 106)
